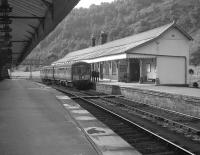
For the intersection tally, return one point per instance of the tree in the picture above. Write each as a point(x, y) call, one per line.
point(120, 18)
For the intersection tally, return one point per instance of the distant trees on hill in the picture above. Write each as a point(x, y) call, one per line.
point(119, 19)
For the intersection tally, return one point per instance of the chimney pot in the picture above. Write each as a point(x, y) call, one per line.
point(103, 37)
point(93, 41)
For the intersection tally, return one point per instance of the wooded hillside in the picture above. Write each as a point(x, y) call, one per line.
point(119, 19)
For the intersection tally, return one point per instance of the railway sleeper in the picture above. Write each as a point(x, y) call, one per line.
point(125, 133)
point(119, 127)
point(146, 149)
point(122, 127)
point(185, 128)
point(153, 148)
point(100, 101)
point(138, 139)
point(163, 153)
point(196, 138)
point(132, 103)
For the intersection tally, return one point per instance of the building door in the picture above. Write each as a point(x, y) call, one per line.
point(134, 72)
point(172, 70)
point(101, 71)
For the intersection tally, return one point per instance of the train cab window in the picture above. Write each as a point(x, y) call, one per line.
point(77, 70)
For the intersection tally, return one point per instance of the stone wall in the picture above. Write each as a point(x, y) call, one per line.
point(180, 103)
point(104, 88)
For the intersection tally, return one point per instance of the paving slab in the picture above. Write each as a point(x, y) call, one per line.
point(33, 122)
point(106, 140)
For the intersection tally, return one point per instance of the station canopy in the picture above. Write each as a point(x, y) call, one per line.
point(121, 48)
point(114, 50)
point(24, 23)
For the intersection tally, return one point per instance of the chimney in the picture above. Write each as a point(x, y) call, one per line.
point(93, 41)
point(103, 37)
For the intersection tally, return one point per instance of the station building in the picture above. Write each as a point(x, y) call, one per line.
point(160, 56)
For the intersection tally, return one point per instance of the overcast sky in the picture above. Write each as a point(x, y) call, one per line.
point(87, 3)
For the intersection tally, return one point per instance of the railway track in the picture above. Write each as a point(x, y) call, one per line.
point(145, 141)
point(187, 125)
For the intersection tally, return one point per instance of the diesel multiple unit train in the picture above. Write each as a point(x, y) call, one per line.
point(77, 74)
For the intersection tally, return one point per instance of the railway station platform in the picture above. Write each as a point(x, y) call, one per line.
point(181, 99)
point(39, 120)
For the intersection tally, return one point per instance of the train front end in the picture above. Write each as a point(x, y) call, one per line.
point(81, 75)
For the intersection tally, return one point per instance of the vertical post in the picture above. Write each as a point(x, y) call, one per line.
point(141, 72)
point(30, 70)
point(157, 81)
point(118, 71)
point(128, 71)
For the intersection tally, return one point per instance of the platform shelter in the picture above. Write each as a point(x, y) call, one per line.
point(160, 56)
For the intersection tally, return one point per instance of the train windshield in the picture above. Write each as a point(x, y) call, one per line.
point(81, 69)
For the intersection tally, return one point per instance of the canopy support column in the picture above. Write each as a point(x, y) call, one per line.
point(141, 72)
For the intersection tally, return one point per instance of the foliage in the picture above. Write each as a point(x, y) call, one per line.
point(119, 19)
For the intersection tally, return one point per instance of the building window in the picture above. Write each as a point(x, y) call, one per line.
point(148, 68)
point(114, 68)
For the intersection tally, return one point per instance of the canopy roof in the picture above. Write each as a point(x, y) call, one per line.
point(120, 46)
point(27, 22)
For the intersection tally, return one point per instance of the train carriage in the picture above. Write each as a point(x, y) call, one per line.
point(77, 73)
point(47, 73)
point(62, 73)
